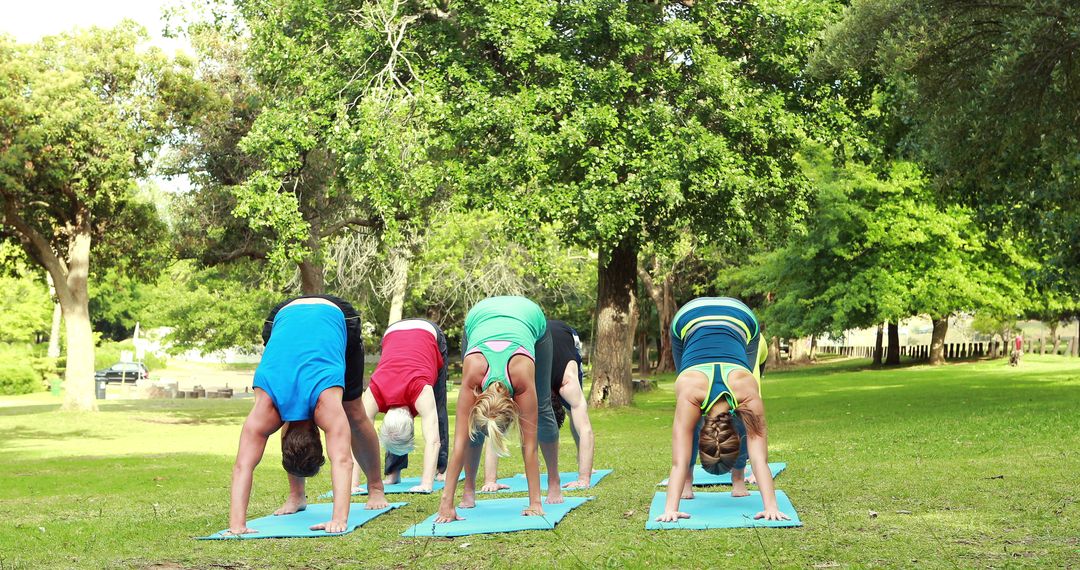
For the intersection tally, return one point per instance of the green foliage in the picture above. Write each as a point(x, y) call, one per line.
point(25, 308)
point(985, 93)
point(880, 248)
point(210, 309)
point(109, 352)
point(19, 373)
point(472, 255)
point(81, 114)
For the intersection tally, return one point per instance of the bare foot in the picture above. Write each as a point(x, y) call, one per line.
point(554, 495)
point(376, 500)
point(392, 478)
point(292, 505)
point(468, 500)
point(493, 487)
point(738, 489)
point(440, 477)
point(688, 490)
point(751, 480)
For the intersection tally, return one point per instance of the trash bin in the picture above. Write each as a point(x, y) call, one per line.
point(55, 385)
point(100, 389)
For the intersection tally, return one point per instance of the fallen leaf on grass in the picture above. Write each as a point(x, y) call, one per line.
point(873, 514)
point(628, 514)
point(465, 545)
point(996, 477)
point(903, 512)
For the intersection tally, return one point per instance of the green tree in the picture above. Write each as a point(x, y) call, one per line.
point(989, 105)
point(624, 122)
point(80, 116)
point(880, 248)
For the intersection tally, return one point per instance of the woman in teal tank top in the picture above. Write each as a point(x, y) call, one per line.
point(505, 373)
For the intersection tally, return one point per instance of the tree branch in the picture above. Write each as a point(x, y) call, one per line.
point(34, 243)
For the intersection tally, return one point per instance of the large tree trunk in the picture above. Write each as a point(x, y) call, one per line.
point(893, 354)
point(616, 284)
point(644, 364)
point(75, 304)
point(799, 349)
point(877, 346)
point(1053, 336)
point(400, 275)
point(773, 359)
point(937, 340)
point(663, 297)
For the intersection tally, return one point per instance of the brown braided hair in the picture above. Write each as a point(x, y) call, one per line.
point(719, 443)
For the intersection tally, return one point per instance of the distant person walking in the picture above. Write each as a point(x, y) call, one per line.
point(1018, 350)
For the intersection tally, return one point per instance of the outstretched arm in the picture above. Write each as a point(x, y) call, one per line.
point(579, 415)
point(466, 401)
point(259, 425)
point(429, 425)
point(758, 446)
point(682, 439)
point(330, 417)
point(526, 401)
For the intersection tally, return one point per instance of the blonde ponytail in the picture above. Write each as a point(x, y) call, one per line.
point(492, 416)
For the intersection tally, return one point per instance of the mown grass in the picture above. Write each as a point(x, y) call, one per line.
point(971, 465)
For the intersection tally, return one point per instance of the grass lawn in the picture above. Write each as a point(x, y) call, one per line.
point(967, 465)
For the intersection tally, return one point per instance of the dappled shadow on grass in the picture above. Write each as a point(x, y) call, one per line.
point(12, 438)
point(194, 412)
point(25, 410)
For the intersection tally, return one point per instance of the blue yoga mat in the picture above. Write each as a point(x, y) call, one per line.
point(721, 510)
point(520, 484)
point(296, 524)
point(497, 515)
point(402, 486)
point(703, 478)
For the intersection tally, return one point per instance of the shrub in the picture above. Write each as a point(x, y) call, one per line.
point(108, 353)
point(17, 374)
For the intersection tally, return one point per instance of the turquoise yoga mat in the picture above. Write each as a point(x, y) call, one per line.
point(400, 487)
point(497, 515)
point(703, 478)
point(520, 484)
point(721, 510)
point(296, 524)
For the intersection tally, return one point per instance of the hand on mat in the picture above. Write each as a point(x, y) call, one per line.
point(448, 515)
point(493, 487)
point(420, 489)
point(533, 511)
point(672, 516)
point(440, 477)
point(331, 527)
point(579, 484)
point(239, 531)
point(750, 479)
point(772, 515)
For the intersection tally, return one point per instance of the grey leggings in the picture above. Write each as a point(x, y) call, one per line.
point(547, 430)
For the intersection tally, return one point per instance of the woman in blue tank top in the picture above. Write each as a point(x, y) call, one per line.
point(718, 351)
point(310, 378)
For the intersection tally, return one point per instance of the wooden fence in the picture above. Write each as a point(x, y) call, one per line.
point(956, 351)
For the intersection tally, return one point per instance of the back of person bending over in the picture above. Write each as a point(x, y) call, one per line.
point(505, 373)
point(716, 342)
point(567, 395)
point(310, 378)
point(410, 380)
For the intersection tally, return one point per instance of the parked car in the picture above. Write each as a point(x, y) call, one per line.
point(123, 372)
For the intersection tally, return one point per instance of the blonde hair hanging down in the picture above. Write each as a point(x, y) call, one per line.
point(492, 416)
